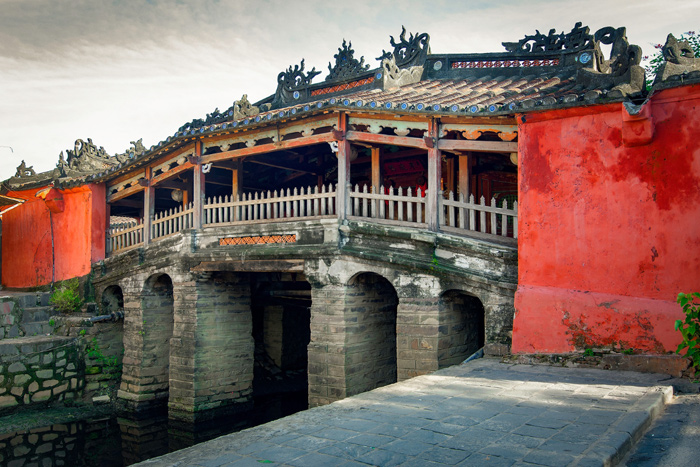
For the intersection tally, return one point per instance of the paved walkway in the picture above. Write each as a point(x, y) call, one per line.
point(674, 439)
point(480, 413)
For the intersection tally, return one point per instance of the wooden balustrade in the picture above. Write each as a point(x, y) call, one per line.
point(124, 236)
point(284, 205)
point(389, 206)
point(393, 206)
point(172, 221)
point(462, 216)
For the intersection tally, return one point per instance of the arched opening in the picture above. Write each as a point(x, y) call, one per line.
point(462, 330)
point(156, 331)
point(112, 299)
point(280, 305)
point(371, 302)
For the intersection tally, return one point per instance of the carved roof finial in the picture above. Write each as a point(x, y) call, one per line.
point(411, 52)
point(346, 65)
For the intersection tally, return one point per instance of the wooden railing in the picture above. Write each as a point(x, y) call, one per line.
point(124, 236)
point(172, 221)
point(402, 207)
point(392, 206)
point(462, 216)
point(288, 204)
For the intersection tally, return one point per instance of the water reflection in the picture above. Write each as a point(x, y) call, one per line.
point(126, 440)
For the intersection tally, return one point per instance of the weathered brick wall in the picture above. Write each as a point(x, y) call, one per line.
point(39, 370)
point(417, 330)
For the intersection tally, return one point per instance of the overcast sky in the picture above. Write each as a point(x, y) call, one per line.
point(116, 71)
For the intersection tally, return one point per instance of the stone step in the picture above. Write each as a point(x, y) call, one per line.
point(37, 314)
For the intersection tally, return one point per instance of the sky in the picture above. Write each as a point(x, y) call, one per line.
point(120, 70)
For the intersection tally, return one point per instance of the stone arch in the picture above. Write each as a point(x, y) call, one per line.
point(112, 299)
point(371, 302)
point(462, 328)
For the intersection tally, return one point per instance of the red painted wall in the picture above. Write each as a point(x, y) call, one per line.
point(609, 233)
point(78, 236)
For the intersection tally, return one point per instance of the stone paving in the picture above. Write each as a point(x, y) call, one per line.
point(480, 413)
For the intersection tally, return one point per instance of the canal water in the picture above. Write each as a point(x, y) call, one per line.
point(111, 441)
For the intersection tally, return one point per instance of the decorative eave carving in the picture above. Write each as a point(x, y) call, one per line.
point(679, 59)
point(395, 77)
point(346, 65)
point(243, 108)
point(293, 84)
point(407, 53)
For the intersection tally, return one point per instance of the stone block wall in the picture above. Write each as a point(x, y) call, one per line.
point(24, 315)
point(39, 370)
point(212, 347)
point(418, 335)
point(461, 328)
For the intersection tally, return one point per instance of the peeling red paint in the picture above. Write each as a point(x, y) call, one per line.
point(599, 216)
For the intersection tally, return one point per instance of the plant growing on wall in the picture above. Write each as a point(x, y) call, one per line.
point(690, 327)
point(65, 298)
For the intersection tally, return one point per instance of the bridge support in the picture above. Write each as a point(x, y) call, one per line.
point(211, 360)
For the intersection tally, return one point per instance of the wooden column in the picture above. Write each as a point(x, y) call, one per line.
point(236, 178)
point(465, 174)
point(432, 212)
point(376, 169)
point(149, 206)
point(344, 151)
point(198, 186)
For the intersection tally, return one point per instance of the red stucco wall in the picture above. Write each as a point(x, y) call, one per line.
point(609, 233)
point(78, 237)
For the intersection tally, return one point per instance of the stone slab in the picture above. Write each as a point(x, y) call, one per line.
point(471, 414)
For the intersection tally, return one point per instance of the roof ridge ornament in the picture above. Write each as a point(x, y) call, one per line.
point(243, 108)
point(346, 65)
point(679, 59)
point(293, 84)
point(578, 39)
point(411, 52)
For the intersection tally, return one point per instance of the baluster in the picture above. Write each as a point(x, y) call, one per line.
point(323, 200)
point(409, 204)
point(382, 203)
point(494, 225)
point(515, 219)
point(451, 217)
point(400, 193)
point(355, 201)
point(316, 202)
point(482, 215)
point(472, 214)
point(365, 201)
point(391, 203)
point(461, 211)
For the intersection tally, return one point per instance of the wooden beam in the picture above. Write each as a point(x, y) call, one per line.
point(124, 193)
point(277, 166)
point(364, 137)
point(269, 147)
point(171, 173)
point(460, 145)
point(127, 203)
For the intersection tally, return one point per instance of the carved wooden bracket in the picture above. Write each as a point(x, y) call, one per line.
point(338, 134)
point(194, 160)
point(143, 182)
point(429, 142)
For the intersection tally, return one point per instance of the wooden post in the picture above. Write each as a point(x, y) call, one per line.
point(465, 173)
point(344, 151)
point(432, 213)
point(149, 207)
point(376, 169)
point(236, 178)
point(198, 186)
